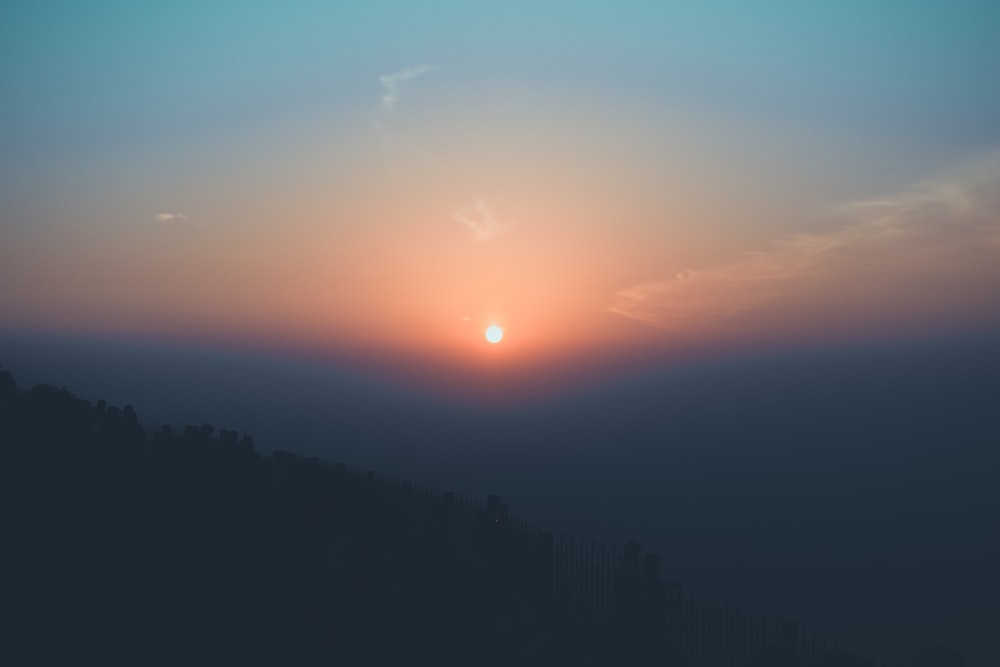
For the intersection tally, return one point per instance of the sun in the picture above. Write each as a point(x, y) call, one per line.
point(494, 334)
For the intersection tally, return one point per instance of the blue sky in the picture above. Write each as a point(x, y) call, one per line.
point(617, 145)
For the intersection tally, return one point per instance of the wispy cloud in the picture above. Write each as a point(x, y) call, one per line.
point(380, 119)
point(935, 242)
point(164, 217)
point(481, 219)
point(391, 83)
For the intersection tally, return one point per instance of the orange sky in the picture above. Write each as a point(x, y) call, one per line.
point(422, 203)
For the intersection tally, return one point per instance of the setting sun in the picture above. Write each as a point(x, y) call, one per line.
point(494, 333)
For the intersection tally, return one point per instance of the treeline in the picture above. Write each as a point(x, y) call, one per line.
point(188, 546)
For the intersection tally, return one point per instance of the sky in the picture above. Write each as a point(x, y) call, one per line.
point(647, 198)
point(381, 179)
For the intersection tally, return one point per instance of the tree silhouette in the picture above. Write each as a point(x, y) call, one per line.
point(138, 548)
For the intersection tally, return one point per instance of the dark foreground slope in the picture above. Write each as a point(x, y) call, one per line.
point(191, 546)
point(125, 547)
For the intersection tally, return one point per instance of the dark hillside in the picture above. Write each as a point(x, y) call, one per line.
point(182, 545)
point(136, 547)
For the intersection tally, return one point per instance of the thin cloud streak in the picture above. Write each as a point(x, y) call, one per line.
point(380, 118)
point(945, 234)
point(165, 217)
point(391, 83)
point(481, 219)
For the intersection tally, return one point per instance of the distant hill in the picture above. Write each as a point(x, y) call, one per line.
point(180, 546)
point(143, 549)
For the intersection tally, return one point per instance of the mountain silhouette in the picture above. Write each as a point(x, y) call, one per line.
point(129, 545)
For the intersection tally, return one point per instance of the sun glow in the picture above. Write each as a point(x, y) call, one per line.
point(494, 334)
